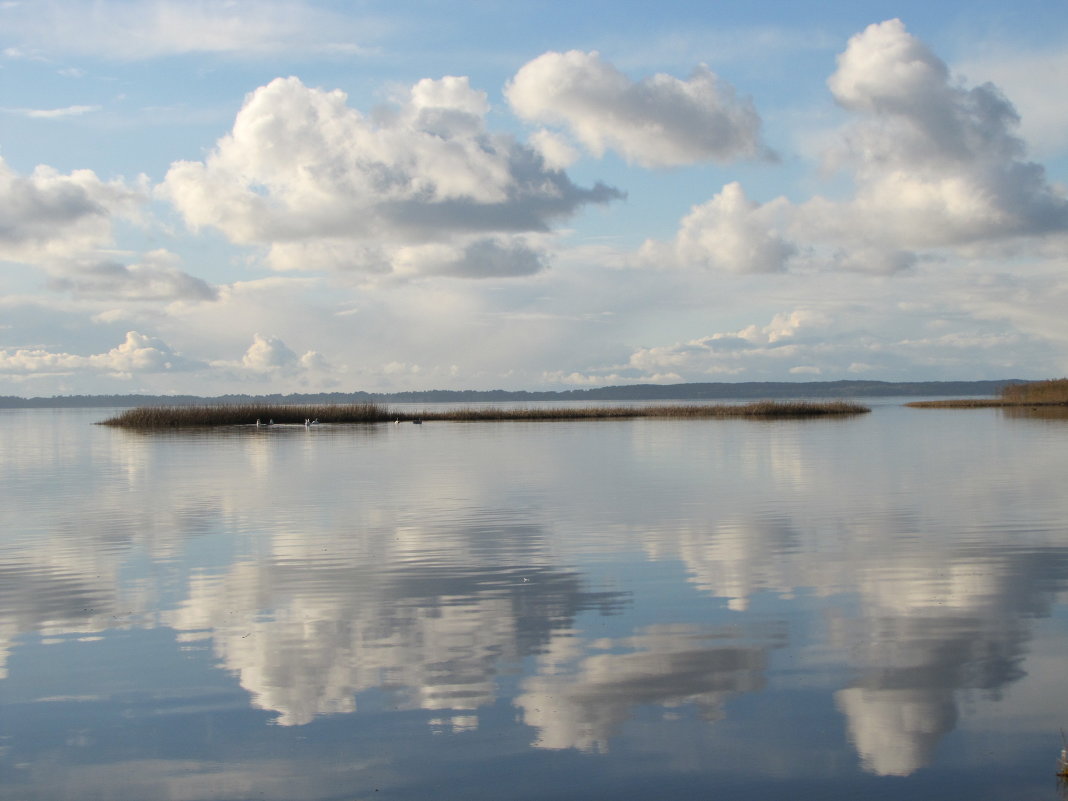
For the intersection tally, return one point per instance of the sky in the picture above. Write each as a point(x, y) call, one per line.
point(294, 196)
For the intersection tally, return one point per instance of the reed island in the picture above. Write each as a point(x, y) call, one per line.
point(261, 415)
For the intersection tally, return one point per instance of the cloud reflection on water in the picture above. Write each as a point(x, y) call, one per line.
point(926, 623)
point(664, 665)
point(435, 564)
point(306, 633)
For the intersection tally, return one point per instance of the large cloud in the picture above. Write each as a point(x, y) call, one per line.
point(935, 164)
point(660, 121)
point(324, 186)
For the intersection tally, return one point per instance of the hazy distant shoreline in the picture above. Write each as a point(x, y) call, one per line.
point(747, 390)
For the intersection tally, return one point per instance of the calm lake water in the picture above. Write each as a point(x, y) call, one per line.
point(870, 608)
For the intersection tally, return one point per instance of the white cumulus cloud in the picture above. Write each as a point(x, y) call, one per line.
point(269, 357)
point(934, 166)
point(659, 121)
point(268, 353)
point(935, 163)
point(138, 353)
point(730, 233)
point(323, 186)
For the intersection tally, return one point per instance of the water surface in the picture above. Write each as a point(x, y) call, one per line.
point(870, 607)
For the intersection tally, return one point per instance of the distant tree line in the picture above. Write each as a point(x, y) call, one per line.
point(746, 390)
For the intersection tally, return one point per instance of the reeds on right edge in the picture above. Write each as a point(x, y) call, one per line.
point(1032, 394)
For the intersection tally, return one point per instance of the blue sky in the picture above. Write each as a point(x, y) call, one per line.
point(211, 197)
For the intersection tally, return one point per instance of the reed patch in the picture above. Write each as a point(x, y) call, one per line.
point(148, 417)
point(1053, 392)
point(170, 417)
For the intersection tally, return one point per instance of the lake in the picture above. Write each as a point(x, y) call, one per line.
point(873, 607)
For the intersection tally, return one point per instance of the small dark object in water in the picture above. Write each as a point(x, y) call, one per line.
point(417, 422)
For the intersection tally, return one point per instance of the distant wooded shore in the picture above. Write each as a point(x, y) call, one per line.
point(744, 390)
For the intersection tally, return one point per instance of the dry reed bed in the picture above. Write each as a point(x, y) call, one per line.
point(243, 414)
point(688, 410)
point(1035, 393)
point(963, 403)
point(149, 417)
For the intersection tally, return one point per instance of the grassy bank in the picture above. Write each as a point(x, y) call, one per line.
point(1036, 393)
point(201, 416)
